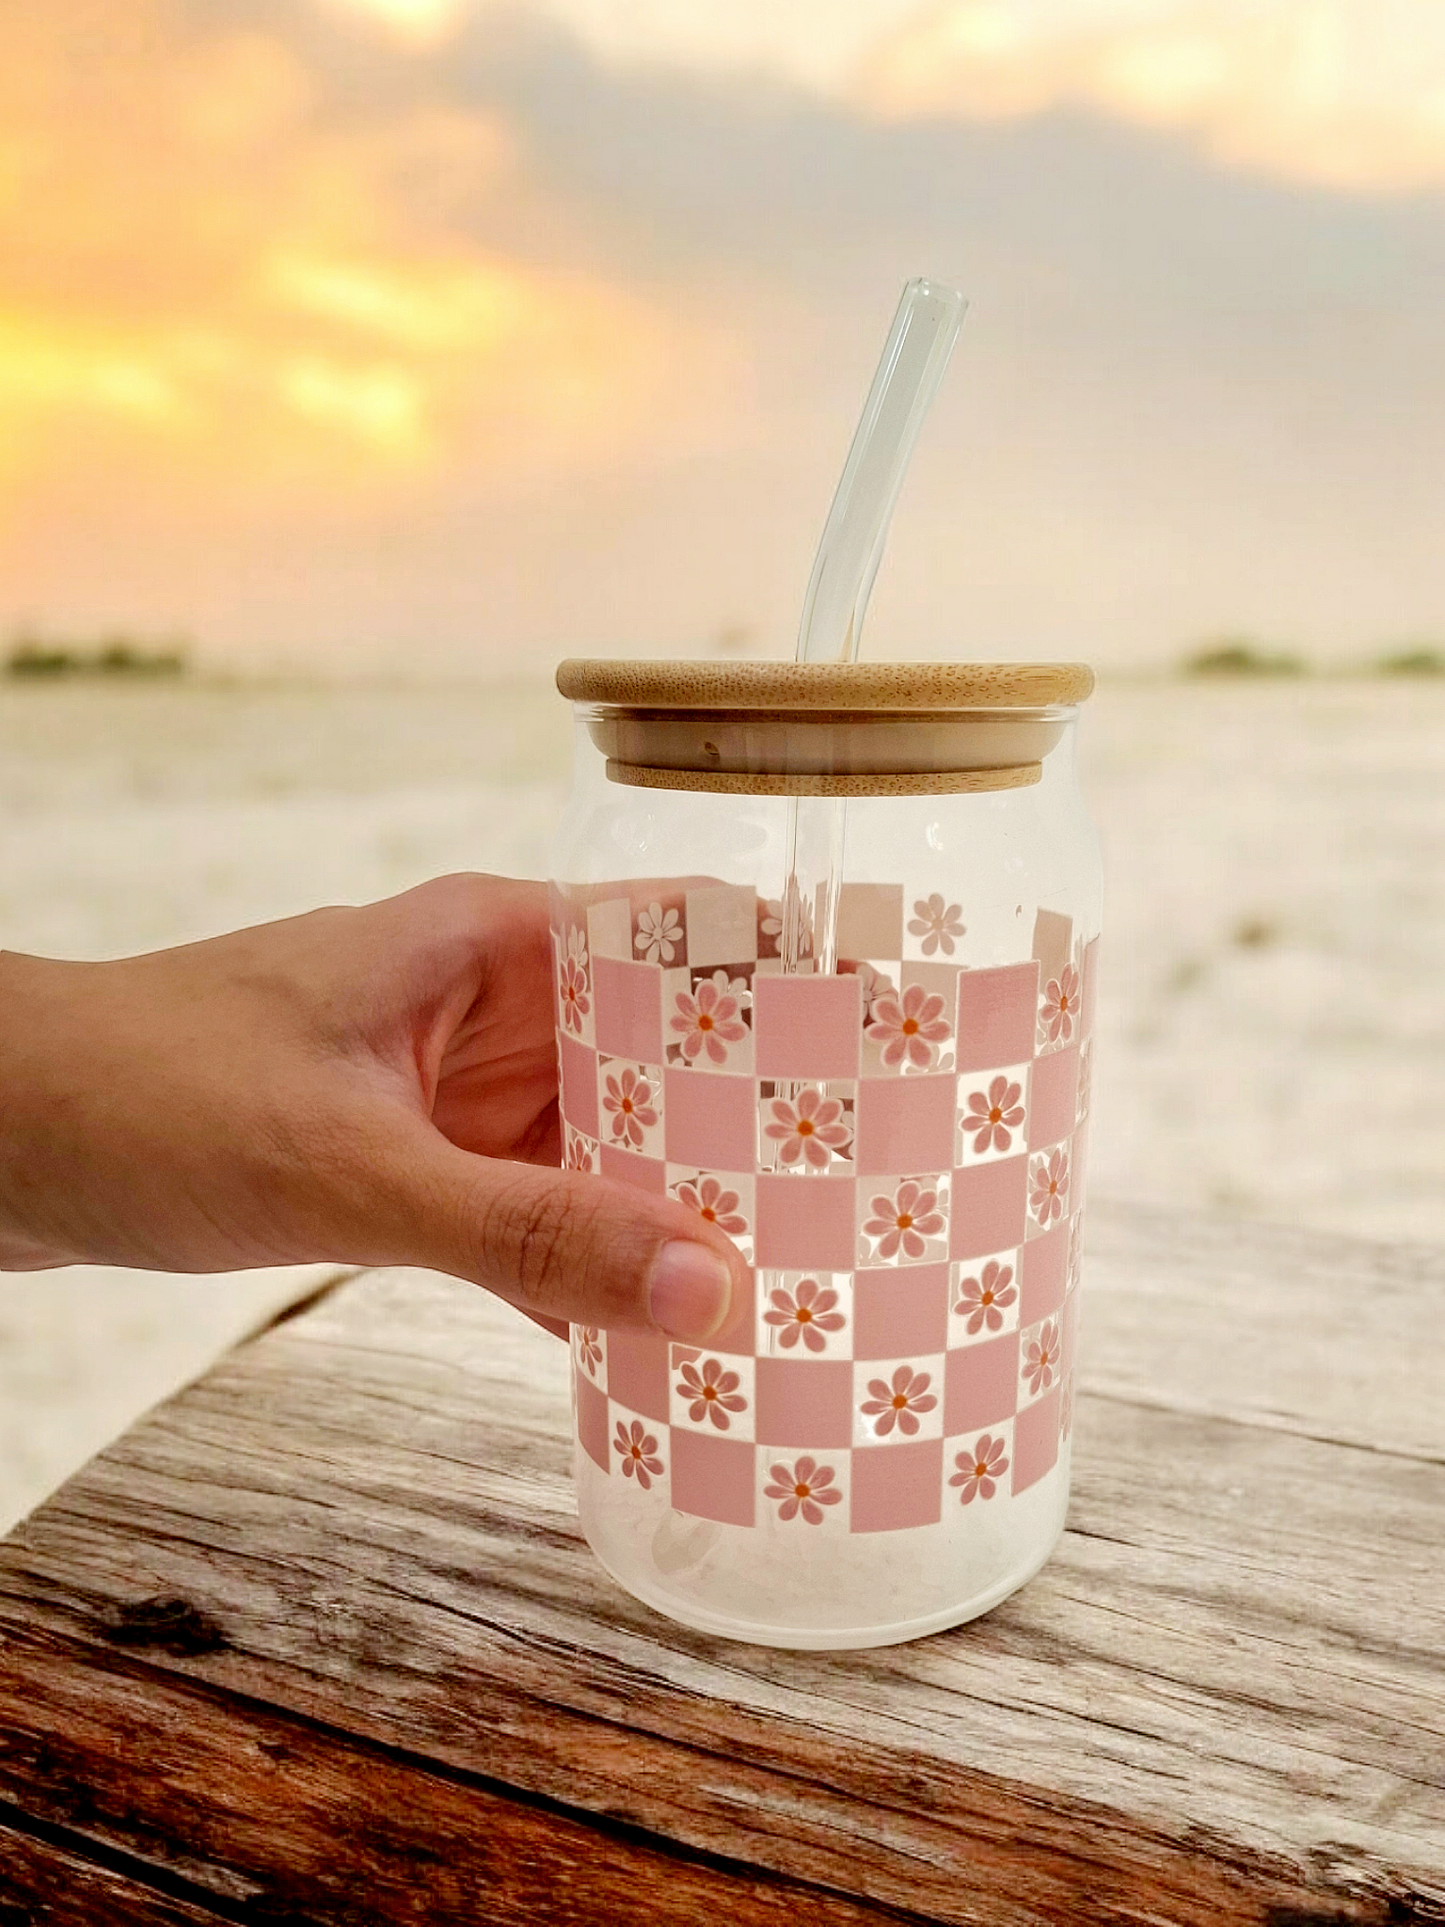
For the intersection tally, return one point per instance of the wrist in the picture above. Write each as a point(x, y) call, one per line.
point(39, 1102)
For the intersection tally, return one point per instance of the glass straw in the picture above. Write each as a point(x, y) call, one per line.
point(915, 355)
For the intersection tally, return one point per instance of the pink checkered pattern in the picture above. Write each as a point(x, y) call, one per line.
point(896, 1149)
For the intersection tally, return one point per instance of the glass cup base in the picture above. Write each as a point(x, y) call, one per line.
point(833, 1594)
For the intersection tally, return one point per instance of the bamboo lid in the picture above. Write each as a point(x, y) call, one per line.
point(853, 686)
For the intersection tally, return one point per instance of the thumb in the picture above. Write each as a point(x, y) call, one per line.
point(564, 1244)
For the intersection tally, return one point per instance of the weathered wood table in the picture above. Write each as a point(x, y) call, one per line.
point(319, 1642)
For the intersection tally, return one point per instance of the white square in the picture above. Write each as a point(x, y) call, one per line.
point(1051, 1177)
point(1040, 1358)
point(572, 976)
point(976, 1466)
point(802, 1493)
point(589, 1351)
point(725, 1198)
point(629, 1101)
point(804, 1314)
point(579, 1152)
point(707, 1022)
point(903, 1220)
point(712, 1392)
point(639, 1451)
point(983, 1298)
point(898, 1399)
point(806, 1129)
point(993, 1113)
point(909, 1031)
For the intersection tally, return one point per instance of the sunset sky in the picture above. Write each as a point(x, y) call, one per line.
point(435, 335)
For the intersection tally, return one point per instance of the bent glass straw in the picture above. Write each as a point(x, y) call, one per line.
point(915, 355)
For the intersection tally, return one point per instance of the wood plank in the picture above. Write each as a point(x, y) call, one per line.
point(1216, 1701)
point(1330, 1337)
point(41, 1882)
point(270, 1817)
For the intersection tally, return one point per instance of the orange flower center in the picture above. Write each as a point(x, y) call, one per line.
point(985, 1297)
point(980, 1468)
point(708, 1213)
point(805, 1127)
point(900, 1401)
point(704, 1022)
point(802, 1491)
point(905, 1223)
point(804, 1315)
point(994, 1115)
point(709, 1391)
point(910, 1025)
point(1053, 1187)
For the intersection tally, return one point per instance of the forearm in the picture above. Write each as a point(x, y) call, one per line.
point(136, 1126)
point(40, 1094)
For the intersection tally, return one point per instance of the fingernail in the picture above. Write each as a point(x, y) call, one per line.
point(689, 1291)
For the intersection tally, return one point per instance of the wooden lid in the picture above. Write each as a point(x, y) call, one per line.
point(825, 685)
point(930, 782)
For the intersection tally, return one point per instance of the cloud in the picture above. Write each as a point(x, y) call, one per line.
point(1346, 94)
point(339, 343)
point(212, 255)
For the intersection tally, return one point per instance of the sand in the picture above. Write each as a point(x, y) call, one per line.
point(1272, 1037)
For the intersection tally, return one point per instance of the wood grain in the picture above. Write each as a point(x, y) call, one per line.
point(43, 1883)
point(277, 1817)
point(934, 782)
point(856, 686)
point(1221, 1701)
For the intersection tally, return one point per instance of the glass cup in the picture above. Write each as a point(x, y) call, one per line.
point(892, 1129)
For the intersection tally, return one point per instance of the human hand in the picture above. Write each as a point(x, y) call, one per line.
point(366, 1086)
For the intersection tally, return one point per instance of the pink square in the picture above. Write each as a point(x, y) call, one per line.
point(808, 1026)
point(1053, 943)
point(1091, 990)
point(904, 1124)
point(592, 1429)
point(737, 1335)
point(1044, 1274)
point(804, 1223)
point(997, 1014)
point(629, 1009)
point(899, 1312)
point(980, 1384)
point(1053, 1097)
point(989, 1204)
point(643, 1174)
point(712, 1478)
point(1036, 1441)
point(897, 1486)
point(637, 1372)
point(577, 1071)
point(710, 1121)
point(870, 920)
point(805, 1402)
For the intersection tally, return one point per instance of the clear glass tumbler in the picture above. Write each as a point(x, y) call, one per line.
point(893, 1132)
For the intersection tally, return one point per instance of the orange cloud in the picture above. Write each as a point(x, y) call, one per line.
point(197, 261)
point(1340, 93)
